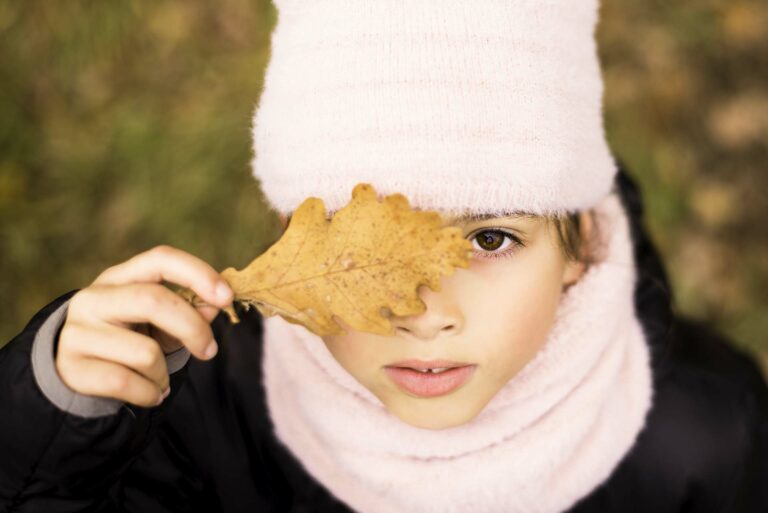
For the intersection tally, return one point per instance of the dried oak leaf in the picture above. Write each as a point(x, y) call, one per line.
point(370, 257)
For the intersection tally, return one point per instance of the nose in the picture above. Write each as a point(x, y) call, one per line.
point(442, 317)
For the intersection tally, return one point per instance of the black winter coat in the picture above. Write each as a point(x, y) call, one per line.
point(210, 446)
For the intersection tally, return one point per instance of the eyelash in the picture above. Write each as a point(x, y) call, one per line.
point(506, 253)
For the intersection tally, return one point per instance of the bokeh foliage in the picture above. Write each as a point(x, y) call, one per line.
point(686, 106)
point(124, 125)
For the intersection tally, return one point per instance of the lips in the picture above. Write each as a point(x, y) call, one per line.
point(427, 364)
point(428, 384)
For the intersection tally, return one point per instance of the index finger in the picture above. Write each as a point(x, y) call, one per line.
point(174, 265)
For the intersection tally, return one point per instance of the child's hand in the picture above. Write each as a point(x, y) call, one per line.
point(107, 346)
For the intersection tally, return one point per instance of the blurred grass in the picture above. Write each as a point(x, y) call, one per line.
point(124, 125)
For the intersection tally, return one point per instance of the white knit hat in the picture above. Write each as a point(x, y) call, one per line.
point(488, 106)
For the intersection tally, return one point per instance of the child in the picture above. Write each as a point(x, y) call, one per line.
point(561, 379)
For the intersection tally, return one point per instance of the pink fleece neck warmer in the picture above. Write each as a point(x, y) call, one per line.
point(550, 436)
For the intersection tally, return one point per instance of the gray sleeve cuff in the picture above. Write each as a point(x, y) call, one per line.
point(63, 397)
point(177, 359)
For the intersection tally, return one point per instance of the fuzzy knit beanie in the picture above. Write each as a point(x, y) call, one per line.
point(488, 106)
point(482, 106)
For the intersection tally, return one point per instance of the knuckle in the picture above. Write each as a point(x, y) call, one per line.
point(147, 355)
point(152, 296)
point(70, 333)
point(103, 275)
point(117, 382)
point(77, 302)
point(163, 250)
point(109, 275)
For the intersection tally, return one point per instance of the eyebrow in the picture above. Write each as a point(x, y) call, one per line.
point(476, 217)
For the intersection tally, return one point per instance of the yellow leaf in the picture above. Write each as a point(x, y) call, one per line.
point(364, 263)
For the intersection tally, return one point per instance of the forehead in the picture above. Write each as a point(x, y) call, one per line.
point(471, 217)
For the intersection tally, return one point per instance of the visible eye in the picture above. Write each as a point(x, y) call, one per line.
point(491, 242)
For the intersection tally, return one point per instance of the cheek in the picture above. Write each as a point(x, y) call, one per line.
point(354, 351)
point(513, 309)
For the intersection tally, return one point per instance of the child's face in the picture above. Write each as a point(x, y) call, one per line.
point(495, 314)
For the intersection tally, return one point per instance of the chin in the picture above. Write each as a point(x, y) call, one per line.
point(440, 416)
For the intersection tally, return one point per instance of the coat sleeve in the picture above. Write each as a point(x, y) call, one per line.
point(750, 493)
point(64, 451)
point(734, 477)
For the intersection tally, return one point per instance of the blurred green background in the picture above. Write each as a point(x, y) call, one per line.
point(124, 125)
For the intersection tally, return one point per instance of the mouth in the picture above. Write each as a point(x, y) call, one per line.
point(428, 365)
point(430, 378)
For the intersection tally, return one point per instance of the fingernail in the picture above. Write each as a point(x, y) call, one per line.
point(167, 392)
point(211, 350)
point(223, 291)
